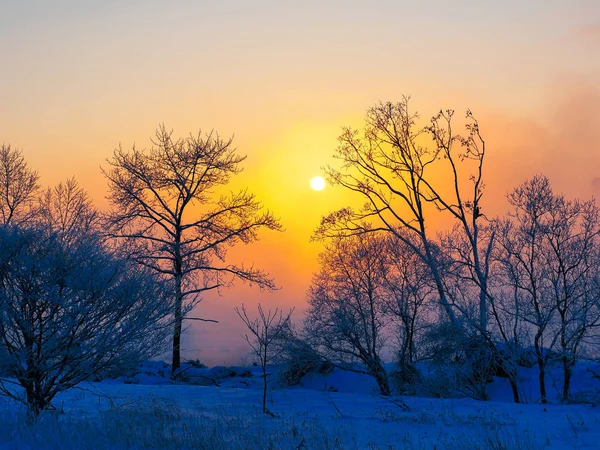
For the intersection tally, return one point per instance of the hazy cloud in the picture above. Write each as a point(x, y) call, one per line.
point(561, 140)
point(588, 32)
point(596, 186)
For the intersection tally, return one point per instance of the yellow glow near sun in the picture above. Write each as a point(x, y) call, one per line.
point(317, 183)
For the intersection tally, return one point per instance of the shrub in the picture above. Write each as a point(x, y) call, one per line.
point(296, 357)
point(196, 364)
point(406, 377)
point(463, 362)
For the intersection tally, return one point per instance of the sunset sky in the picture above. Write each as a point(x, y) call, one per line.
point(79, 77)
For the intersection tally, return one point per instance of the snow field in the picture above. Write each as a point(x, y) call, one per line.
point(114, 415)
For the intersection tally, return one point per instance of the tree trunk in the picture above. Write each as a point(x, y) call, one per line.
point(483, 309)
point(568, 372)
point(264, 402)
point(512, 379)
point(176, 363)
point(431, 262)
point(381, 377)
point(33, 407)
point(405, 346)
point(177, 266)
point(178, 325)
point(542, 368)
point(442, 294)
point(410, 331)
point(383, 384)
point(36, 401)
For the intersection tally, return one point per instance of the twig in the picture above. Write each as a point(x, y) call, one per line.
point(335, 407)
point(399, 403)
point(202, 320)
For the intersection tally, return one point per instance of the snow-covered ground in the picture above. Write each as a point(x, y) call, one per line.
point(339, 410)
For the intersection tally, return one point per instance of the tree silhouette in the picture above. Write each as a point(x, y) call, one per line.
point(401, 177)
point(167, 215)
point(265, 330)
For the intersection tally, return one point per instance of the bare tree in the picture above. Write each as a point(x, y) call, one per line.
point(67, 209)
point(409, 290)
point(549, 253)
point(345, 318)
point(166, 213)
point(476, 289)
point(521, 254)
point(70, 312)
point(266, 329)
point(506, 305)
point(572, 235)
point(18, 184)
point(403, 180)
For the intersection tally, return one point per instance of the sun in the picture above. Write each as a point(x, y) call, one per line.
point(317, 183)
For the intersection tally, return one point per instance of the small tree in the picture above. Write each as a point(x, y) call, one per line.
point(508, 330)
point(69, 312)
point(295, 356)
point(572, 236)
point(345, 319)
point(166, 213)
point(549, 252)
point(264, 330)
point(409, 291)
point(521, 253)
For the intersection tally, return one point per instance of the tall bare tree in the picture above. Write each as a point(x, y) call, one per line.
point(403, 180)
point(166, 212)
point(18, 184)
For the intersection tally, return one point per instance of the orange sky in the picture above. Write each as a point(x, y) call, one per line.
point(78, 77)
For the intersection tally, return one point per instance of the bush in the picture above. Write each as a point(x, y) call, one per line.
point(196, 364)
point(297, 359)
point(406, 377)
point(527, 358)
point(463, 362)
point(221, 372)
point(325, 368)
